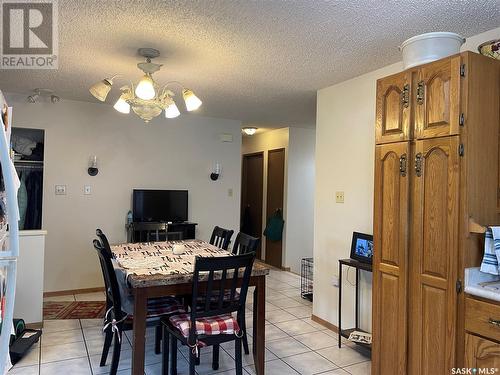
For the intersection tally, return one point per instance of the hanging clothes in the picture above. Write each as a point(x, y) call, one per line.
point(274, 227)
point(34, 184)
point(22, 199)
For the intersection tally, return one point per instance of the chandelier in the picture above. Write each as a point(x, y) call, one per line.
point(146, 98)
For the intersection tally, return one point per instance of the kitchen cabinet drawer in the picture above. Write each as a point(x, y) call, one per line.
point(482, 318)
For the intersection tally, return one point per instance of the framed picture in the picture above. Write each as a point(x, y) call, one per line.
point(362, 247)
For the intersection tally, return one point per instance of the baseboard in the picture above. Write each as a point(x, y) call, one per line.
point(73, 291)
point(38, 325)
point(324, 323)
point(287, 269)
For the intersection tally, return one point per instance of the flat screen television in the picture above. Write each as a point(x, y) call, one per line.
point(160, 205)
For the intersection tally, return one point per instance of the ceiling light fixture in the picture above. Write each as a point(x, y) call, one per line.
point(39, 93)
point(250, 130)
point(145, 98)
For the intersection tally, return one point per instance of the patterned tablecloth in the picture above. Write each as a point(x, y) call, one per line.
point(154, 263)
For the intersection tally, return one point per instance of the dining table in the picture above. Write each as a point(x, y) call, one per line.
point(152, 270)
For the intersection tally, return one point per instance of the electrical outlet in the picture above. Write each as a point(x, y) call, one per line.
point(60, 189)
point(335, 281)
point(229, 192)
point(339, 197)
point(87, 190)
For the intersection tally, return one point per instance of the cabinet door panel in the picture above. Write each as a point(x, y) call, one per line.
point(437, 98)
point(390, 259)
point(393, 108)
point(481, 353)
point(434, 252)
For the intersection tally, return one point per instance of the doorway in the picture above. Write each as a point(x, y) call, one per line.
point(275, 193)
point(251, 196)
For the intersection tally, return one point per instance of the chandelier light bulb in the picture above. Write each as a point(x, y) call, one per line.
point(191, 100)
point(121, 105)
point(145, 88)
point(101, 89)
point(172, 111)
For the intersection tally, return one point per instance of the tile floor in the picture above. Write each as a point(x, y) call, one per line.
point(294, 343)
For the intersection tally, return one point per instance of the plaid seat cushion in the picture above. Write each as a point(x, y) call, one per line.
point(164, 306)
point(212, 325)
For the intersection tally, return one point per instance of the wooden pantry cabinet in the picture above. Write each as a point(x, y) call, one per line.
point(436, 166)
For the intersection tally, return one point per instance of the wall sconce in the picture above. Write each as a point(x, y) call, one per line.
point(214, 176)
point(93, 170)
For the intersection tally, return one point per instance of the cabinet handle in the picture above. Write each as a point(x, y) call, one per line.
point(402, 165)
point(405, 96)
point(420, 92)
point(494, 322)
point(418, 164)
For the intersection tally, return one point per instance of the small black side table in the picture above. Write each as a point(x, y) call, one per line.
point(358, 266)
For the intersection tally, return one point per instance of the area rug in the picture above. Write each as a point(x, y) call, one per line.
point(74, 310)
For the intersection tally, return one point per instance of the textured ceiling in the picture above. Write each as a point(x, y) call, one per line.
point(256, 61)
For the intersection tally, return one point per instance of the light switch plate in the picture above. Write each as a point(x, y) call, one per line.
point(87, 190)
point(60, 189)
point(229, 192)
point(339, 197)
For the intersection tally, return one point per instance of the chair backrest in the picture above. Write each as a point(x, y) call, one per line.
point(221, 237)
point(108, 273)
point(215, 281)
point(149, 232)
point(245, 244)
point(175, 236)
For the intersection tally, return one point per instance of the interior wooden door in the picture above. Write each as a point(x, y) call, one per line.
point(275, 193)
point(437, 98)
point(433, 256)
point(251, 196)
point(390, 261)
point(481, 353)
point(393, 108)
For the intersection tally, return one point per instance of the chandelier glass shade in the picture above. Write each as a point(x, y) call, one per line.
point(146, 98)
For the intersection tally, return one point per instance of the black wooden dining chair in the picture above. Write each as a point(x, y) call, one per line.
point(244, 244)
point(117, 320)
point(221, 237)
point(212, 322)
point(154, 232)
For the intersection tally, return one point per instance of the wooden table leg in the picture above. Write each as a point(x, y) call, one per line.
point(139, 326)
point(259, 311)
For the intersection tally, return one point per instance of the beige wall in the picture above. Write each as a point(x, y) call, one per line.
point(165, 154)
point(344, 162)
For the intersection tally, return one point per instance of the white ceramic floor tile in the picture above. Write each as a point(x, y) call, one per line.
point(53, 353)
point(248, 358)
point(286, 347)
point(60, 325)
point(274, 333)
point(226, 363)
point(338, 371)
point(276, 367)
point(79, 366)
point(278, 316)
point(360, 369)
point(301, 311)
point(28, 370)
point(95, 296)
point(296, 327)
point(342, 357)
point(62, 337)
point(95, 346)
point(309, 363)
point(316, 340)
point(124, 364)
point(317, 325)
point(286, 302)
point(91, 322)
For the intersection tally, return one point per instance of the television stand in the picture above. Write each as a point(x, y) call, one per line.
point(187, 228)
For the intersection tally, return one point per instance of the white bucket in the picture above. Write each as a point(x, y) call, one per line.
point(429, 47)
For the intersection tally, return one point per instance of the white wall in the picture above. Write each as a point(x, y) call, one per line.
point(165, 154)
point(263, 142)
point(300, 197)
point(344, 162)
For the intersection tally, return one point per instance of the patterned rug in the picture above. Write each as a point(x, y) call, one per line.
point(74, 310)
